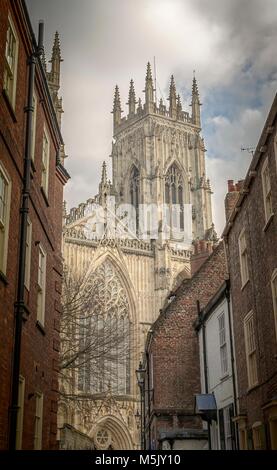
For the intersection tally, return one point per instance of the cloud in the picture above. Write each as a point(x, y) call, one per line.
point(231, 44)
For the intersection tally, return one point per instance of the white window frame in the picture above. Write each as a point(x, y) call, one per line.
point(28, 254)
point(45, 161)
point(243, 256)
point(5, 222)
point(267, 190)
point(274, 297)
point(223, 345)
point(12, 73)
point(257, 430)
point(41, 285)
point(250, 349)
point(20, 413)
point(38, 421)
point(34, 122)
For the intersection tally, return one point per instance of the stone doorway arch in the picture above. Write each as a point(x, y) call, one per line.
point(111, 433)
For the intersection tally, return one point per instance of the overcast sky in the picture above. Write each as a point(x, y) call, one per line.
point(230, 43)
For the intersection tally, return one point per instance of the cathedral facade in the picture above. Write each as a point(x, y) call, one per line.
point(158, 158)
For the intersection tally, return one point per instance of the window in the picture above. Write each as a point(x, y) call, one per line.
point(20, 413)
point(267, 190)
point(274, 296)
point(258, 435)
point(134, 190)
point(104, 335)
point(5, 198)
point(250, 348)
point(222, 344)
point(11, 58)
point(41, 285)
point(243, 258)
point(226, 428)
point(174, 199)
point(38, 421)
point(28, 254)
point(34, 120)
point(45, 162)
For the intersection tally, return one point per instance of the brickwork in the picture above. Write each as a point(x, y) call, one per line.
point(173, 353)
point(39, 351)
point(256, 294)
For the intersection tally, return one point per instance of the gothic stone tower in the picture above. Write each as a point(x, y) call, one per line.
point(158, 156)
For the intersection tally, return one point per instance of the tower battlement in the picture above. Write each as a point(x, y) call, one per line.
point(137, 110)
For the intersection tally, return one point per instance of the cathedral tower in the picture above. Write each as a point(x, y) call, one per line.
point(161, 152)
point(158, 158)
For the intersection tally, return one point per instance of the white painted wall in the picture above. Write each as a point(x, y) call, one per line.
point(218, 383)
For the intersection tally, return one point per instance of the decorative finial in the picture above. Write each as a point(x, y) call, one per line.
point(116, 101)
point(104, 174)
point(148, 72)
point(132, 99)
point(56, 50)
point(43, 60)
point(149, 90)
point(172, 99)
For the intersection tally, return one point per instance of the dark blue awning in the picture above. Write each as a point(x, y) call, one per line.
point(205, 405)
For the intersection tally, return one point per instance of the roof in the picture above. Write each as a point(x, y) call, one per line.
point(185, 283)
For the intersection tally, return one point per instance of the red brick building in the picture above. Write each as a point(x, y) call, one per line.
point(172, 360)
point(251, 245)
point(39, 309)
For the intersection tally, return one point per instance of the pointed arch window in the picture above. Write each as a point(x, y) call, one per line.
point(174, 194)
point(134, 192)
point(105, 335)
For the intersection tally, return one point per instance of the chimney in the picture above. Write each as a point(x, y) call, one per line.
point(202, 251)
point(232, 197)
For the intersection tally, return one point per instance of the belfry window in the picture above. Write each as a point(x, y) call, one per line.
point(174, 196)
point(134, 190)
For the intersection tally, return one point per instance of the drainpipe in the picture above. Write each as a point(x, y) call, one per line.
point(202, 323)
point(227, 295)
point(24, 210)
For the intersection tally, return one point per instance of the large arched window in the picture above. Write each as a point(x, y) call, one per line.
point(105, 335)
point(134, 191)
point(174, 194)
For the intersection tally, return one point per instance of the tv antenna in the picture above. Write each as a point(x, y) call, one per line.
point(248, 150)
point(155, 80)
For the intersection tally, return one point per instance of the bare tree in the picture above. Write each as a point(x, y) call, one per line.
point(96, 336)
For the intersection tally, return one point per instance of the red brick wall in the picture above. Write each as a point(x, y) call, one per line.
point(39, 353)
point(256, 295)
point(174, 346)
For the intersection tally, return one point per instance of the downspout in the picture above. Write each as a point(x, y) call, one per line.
point(202, 324)
point(227, 295)
point(24, 210)
point(148, 402)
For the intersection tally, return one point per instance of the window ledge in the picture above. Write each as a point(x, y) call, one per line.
point(40, 327)
point(253, 387)
point(33, 168)
point(3, 278)
point(26, 312)
point(268, 222)
point(245, 284)
point(44, 196)
point(225, 377)
point(9, 105)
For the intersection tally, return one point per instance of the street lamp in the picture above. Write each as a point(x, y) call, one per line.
point(140, 373)
point(137, 418)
